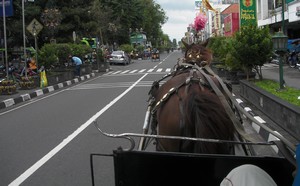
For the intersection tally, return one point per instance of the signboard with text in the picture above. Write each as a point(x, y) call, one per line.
point(248, 14)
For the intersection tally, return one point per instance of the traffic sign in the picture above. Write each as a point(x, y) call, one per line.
point(34, 27)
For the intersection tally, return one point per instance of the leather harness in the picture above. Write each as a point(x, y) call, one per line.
point(202, 76)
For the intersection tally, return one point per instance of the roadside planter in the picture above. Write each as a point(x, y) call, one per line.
point(8, 87)
point(283, 113)
point(27, 83)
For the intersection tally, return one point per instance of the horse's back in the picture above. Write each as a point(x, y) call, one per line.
point(191, 110)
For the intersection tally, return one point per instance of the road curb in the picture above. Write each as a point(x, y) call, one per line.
point(266, 135)
point(25, 97)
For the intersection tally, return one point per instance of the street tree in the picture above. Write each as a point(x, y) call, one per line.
point(251, 48)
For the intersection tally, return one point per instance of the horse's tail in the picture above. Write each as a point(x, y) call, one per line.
point(205, 117)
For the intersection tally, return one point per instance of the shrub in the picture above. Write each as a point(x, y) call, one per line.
point(48, 56)
point(127, 48)
point(57, 54)
point(252, 47)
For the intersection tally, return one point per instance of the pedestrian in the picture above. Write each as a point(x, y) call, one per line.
point(32, 67)
point(78, 62)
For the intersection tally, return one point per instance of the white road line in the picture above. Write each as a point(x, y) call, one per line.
point(143, 70)
point(124, 72)
point(159, 70)
point(133, 71)
point(150, 70)
point(108, 73)
point(60, 146)
point(117, 72)
point(168, 70)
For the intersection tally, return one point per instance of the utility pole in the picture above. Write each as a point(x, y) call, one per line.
point(24, 37)
point(5, 42)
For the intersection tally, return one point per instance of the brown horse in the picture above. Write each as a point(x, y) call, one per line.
point(186, 105)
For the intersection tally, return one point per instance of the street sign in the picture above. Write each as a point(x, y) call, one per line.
point(8, 4)
point(34, 27)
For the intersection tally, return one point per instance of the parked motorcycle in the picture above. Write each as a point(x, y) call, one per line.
point(274, 58)
point(293, 59)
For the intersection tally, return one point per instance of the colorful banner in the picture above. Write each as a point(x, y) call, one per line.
point(248, 13)
point(8, 8)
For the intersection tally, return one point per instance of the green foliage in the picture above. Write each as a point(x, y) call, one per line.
point(248, 49)
point(62, 51)
point(252, 47)
point(48, 56)
point(90, 18)
point(288, 94)
point(222, 47)
point(57, 54)
point(140, 48)
point(80, 50)
point(127, 48)
point(217, 47)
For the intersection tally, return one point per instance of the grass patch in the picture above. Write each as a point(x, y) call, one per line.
point(288, 94)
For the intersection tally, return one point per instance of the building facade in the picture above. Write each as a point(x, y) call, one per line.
point(269, 12)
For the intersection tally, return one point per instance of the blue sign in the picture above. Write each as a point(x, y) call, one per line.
point(8, 8)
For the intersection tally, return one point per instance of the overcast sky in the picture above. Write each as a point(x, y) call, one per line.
point(180, 13)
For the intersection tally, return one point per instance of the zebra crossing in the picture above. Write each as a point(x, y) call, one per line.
point(114, 85)
point(139, 71)
point(164, 70)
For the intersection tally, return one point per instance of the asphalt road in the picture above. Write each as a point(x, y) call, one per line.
point(48, 140)
point(291, 76)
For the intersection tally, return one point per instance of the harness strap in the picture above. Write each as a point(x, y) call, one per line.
point(227, 107)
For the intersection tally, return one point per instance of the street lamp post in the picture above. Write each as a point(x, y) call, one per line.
point(280, 46)
point(4, 32)
point(24, 37)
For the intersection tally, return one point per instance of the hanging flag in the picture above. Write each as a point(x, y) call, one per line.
point(207, 5)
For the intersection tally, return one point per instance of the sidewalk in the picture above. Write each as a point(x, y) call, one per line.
point(25, 95)
point(291, 76)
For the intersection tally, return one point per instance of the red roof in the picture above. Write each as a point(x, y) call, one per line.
point(233, 8)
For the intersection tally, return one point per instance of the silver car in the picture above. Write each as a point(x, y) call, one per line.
point(119, 57)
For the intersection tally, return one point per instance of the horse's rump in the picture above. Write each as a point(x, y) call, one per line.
point(191, 110)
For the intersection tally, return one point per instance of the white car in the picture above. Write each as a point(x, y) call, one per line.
point(119, 57)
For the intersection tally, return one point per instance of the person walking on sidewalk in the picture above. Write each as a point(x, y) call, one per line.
point(78, 62)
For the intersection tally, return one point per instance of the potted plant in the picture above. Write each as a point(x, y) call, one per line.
point(8, 87)
point(27, 83)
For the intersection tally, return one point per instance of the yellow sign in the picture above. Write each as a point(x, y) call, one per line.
point(34, 27)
